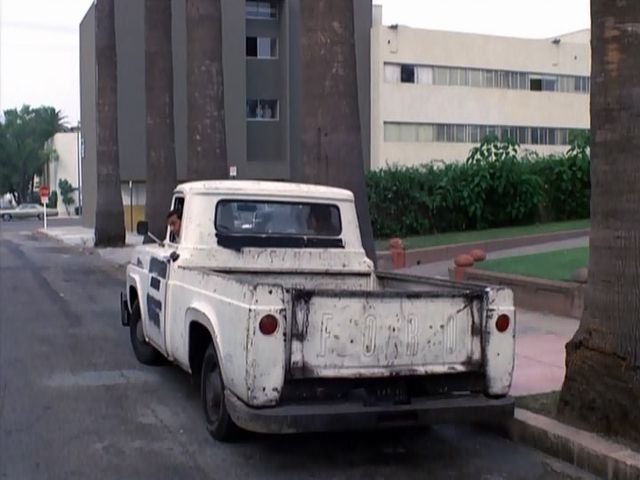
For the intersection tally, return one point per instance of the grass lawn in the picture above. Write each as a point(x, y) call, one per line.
point(556, 265)
point(440, 239)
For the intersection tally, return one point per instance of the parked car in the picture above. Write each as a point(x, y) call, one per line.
point(27, 210)
point(288, 328)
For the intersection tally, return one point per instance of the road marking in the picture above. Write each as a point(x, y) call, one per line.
point(100, 378)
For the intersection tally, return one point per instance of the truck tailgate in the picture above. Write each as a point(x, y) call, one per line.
point(351, 334)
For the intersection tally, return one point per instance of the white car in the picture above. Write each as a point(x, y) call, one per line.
point(27, 210)
point(287, 327)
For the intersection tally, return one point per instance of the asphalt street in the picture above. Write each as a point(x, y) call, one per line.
point(75, 404)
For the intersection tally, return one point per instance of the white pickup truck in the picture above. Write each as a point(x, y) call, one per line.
point(269, 301)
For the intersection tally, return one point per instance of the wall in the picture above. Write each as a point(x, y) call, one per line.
point(66, 145)
point(282, 139)
point(88, 116)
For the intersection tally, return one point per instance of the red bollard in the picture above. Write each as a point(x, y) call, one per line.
point(478, 255)
point(398, 254)
point(461, 263)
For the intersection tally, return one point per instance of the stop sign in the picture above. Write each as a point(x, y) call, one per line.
point(44, 193)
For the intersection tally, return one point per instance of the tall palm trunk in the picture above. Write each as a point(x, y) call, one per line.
point(207, 148)
point(602, 383)
point(161, 157)
point(331, 138)
point(109, 229)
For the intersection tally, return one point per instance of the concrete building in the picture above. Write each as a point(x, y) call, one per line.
point(436, 94)
point(64, 163)
point(263, 92)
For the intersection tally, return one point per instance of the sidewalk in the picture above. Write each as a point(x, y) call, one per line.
point(540, 354)
point(83, 237)
point(441, 269)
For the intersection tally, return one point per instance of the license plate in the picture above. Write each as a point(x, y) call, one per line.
point(388, 392)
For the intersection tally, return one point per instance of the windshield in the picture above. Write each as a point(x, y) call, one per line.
point(245, 217)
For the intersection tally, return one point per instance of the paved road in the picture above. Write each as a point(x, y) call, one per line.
point(74, 404)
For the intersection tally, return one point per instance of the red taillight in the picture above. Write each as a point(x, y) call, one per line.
point(502, 323)
point(268, 325)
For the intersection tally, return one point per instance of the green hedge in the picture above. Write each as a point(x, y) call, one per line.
point(496, 186)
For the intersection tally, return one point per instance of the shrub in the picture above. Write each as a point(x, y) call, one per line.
point(495, 187)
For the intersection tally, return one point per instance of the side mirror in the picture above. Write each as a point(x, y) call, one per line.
point(142, 227)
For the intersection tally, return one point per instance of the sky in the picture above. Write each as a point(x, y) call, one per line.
point(39, 41)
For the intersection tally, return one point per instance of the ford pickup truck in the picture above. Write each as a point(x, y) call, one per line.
point(270, 302)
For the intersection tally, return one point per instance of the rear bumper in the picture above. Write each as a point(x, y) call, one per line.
point(320, 417)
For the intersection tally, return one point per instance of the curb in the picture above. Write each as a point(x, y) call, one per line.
point(585, 450)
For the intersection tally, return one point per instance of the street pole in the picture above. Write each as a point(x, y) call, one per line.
point(44, 198)
point(78, 137)
point(131, 204)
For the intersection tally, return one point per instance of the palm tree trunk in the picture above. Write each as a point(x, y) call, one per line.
point(331, 138)
point(602, 383)
point(109, 229)
point(161, 157)
point(207, 148)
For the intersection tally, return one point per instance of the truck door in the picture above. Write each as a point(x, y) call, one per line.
point(156, 301)
point(159, 272)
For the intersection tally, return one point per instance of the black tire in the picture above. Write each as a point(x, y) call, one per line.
point(219, 423)
point(40, 216)
point(145, 353)
point(6, 217)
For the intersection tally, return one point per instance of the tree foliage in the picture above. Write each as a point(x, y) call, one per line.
point(66, 193)
point(23, 134)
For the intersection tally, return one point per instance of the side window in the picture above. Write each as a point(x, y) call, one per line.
point(178, 204)
point(175, 222)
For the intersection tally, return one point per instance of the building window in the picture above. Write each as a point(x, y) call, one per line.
point(482, 78)
point(490, 79)
point(258, 109)
point(549, 84)
point(391, 73)
point(475, 78)
point(262, 47)
point(441, 76)
point(407, 74)
point(447, 133)
point(535, 84)
point(425, 75)
point(261, 10)
point(425, 133)
point(473, 134)
point(392, 132)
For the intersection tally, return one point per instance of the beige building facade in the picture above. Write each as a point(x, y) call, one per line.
point(436, 94)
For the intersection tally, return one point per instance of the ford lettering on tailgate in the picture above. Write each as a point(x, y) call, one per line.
point(349, 336)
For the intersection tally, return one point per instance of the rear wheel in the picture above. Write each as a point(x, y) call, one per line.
point(219, 423)
point(40, 216)
point(145, 353)
point(6, 217)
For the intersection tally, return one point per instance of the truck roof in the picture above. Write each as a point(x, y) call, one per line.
point(266, 188)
